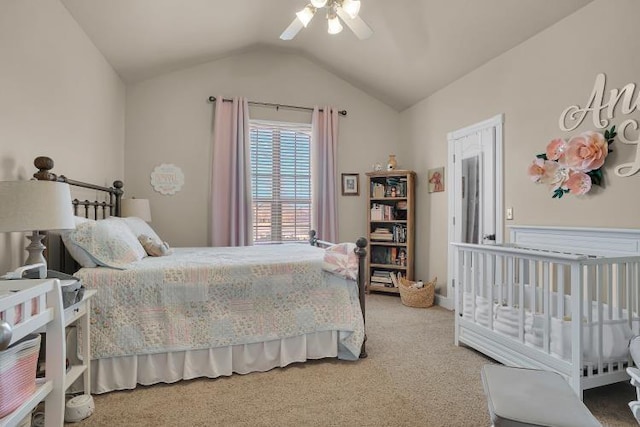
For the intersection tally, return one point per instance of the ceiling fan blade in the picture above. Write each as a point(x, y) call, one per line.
point(292, 30)
point(357, 25)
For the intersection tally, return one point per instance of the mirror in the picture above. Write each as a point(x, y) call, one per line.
point(470, 232)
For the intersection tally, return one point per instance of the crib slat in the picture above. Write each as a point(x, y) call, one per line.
point(599, 278)
point(491, 279)
point(510, 281)
point(521, 312)
point(617, 290)
point(577, 337)
point(546, 305)
point(533, 282)
point(560, 291)
point(609, 286)
point(629, 294)
point(472, 278)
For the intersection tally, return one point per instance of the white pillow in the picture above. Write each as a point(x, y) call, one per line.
point(140, 228)
point(80, 255)
point(108, 242)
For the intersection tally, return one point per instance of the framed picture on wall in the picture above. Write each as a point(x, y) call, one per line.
point(350, 184)
point(436, 180)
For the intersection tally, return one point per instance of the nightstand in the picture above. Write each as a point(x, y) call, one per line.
point(79, 314)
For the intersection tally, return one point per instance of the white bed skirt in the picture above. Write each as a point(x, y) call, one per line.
point(126, 372)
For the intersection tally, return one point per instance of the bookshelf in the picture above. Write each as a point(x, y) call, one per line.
point(391, 228)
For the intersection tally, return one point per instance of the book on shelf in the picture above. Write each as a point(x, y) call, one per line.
point(382, 237)
point(377, 190)
point(399, 233)
point(394, 279)
point(377, 213)
point(379, 255)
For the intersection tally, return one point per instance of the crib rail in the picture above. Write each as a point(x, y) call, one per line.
point(544, 304)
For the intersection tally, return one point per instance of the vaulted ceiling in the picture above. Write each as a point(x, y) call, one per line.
point(417, 47)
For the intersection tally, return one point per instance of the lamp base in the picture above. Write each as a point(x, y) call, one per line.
point(36, 249)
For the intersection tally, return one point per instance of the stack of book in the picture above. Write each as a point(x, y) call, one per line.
point(382, 234)
point(381, 278)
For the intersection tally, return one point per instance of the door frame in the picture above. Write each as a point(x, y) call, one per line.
point(497, 123)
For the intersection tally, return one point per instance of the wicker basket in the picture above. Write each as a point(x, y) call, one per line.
point(417, 297)
point(18, 373)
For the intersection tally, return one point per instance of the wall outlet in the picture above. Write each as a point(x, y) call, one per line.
point(509, 213)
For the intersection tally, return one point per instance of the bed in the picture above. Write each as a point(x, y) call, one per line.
point(205, 312)
point(551, 290)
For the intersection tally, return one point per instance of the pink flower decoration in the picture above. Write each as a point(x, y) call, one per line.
point(555, 175)
point(586, 152)
point(578, 183)
point(536, 170)
point(556, 149)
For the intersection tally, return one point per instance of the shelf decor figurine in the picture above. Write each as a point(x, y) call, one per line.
point(392, 163)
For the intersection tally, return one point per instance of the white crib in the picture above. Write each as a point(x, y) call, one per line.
point(529, 303)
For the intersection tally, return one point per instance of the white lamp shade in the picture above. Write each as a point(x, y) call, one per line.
point(136, 207)
point(35, 206)
point(319, 3)
point(334, 25)
point(352, 7)
point(306, 14)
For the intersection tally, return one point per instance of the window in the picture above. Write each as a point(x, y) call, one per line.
point(280, 181)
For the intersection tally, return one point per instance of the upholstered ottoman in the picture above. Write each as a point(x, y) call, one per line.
point(527, 397)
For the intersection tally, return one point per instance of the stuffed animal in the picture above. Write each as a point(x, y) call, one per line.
point(154, 248)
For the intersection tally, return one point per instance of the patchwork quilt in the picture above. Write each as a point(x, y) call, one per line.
point(200, 298)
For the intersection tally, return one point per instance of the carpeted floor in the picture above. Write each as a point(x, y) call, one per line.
point(414, 376)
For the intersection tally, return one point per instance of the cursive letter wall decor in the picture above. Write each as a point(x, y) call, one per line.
point(574, 115)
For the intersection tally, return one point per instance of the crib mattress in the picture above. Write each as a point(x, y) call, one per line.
point(506, 320)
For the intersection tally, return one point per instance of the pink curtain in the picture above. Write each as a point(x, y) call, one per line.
point(324, 148)
point(231, 221)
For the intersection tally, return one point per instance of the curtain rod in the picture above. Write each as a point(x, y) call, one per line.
point(269, 104)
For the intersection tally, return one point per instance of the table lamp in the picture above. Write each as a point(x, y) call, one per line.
point(136, 207)
point(35, 206)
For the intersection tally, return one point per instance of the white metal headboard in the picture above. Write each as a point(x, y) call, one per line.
point(594, 241)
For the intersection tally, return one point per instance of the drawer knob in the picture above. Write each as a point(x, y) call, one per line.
point(5, 334)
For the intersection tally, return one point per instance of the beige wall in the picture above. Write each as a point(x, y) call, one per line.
point(169, 120)
point(531, 84)
point(59, 98)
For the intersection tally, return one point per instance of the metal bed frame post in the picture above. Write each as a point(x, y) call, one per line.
point(361, 252)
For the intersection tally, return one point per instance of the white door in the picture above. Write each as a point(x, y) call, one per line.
point(475, 198)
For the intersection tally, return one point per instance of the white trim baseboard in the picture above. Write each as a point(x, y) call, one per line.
point(444, 302)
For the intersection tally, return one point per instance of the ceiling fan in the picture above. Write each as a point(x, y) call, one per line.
point(345, 10)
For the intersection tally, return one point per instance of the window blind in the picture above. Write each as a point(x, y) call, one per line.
point(280, 181)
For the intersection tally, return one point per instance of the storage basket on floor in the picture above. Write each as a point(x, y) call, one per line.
point(417, 297)
point(18, 365)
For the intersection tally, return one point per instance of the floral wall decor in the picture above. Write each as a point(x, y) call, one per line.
point(573, 166)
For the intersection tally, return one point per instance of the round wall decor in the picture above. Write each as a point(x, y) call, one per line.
point(167, 179)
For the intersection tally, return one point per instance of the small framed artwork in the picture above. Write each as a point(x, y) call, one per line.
point(350, 184)
point(436, 180)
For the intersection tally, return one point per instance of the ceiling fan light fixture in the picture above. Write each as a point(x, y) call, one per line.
point(306, 14)
point(334, 25)
point(319, 3)
point(352, 7)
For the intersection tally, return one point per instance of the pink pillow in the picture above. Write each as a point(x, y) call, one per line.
point(341, 259)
